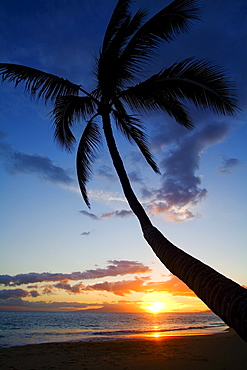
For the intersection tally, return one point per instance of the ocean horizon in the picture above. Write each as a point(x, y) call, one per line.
point(18, 328)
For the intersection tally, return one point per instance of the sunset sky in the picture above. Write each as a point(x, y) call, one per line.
point(56, 254)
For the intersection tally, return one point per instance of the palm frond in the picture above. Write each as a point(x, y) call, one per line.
point(109, 73)
point(197, 81)
point(89, 143)
point(119, 16)
point(167, 24)
point(203, 84)
point(67, 109)
point(144, 98)
point(133, 131)
point(37, 83)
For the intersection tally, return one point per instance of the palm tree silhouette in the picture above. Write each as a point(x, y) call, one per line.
point(128, 44)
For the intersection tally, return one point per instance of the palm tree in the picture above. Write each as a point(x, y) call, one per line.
point(128, 44)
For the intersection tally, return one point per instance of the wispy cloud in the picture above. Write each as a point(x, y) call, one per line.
point(135, 176)
point(122, 213)
point(228, 165)
point(105, 196)
point(114, 268)
point(106, 172)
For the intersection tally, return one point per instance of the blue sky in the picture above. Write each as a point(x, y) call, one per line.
point(46, 227)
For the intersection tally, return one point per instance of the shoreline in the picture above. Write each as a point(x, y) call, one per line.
point(210, 351)
point(151, 334)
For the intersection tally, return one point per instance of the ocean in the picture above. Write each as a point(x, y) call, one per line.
point(21, 328)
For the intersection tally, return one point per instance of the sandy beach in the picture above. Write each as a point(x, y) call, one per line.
point(225, 351)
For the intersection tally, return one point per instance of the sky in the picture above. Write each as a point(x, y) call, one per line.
point(56, 254)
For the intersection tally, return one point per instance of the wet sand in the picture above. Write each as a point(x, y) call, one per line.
point(224, 351)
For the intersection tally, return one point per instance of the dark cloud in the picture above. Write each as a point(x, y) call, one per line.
point(89, 214)
point(38, 165)
point(34, 293)
point(114, 268)
point(123, 213)
point(86, 233)
point(228, 165)
point(77, 288)
point(17, 293)
point(181, 185)
point(42, 305)
point(16, 162)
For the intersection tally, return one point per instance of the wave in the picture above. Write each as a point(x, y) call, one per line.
point(157, 331)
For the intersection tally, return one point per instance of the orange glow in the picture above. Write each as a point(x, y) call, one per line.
point(156, 307)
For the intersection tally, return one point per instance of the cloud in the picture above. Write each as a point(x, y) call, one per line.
point(172, 285)
point(17, 293)
point(123, 213)
point(48, 290)
point(38, 165)
point(135, 176)
point(34, 293)
point(90, 215)
point(86, 233)
point(42, 305)
point(114, 268)
point(229, 164)
point(120, 288)
point(181, 185)
point(13, 304)
point(107, 173)
point(100, 195)
point(77, 288)
point(16, 162)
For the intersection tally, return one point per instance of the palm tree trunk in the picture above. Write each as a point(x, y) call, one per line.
point(223, 296)
point(119, 167)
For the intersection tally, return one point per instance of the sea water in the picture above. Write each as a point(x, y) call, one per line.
point(20, 328)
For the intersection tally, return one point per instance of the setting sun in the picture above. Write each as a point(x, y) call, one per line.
point(156, 307)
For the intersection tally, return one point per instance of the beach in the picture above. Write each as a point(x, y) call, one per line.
point(223, 351)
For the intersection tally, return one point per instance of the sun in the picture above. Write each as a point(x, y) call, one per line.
point(156, 307)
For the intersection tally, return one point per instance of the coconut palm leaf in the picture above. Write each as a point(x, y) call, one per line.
point(119, 16)
point(197, 81)
point(67, 109)
point(133, 131)
point(158, 102)
point(108, 75)
point(37, 83)
point(171, 21)
point(87, 148)
point(200, 82)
